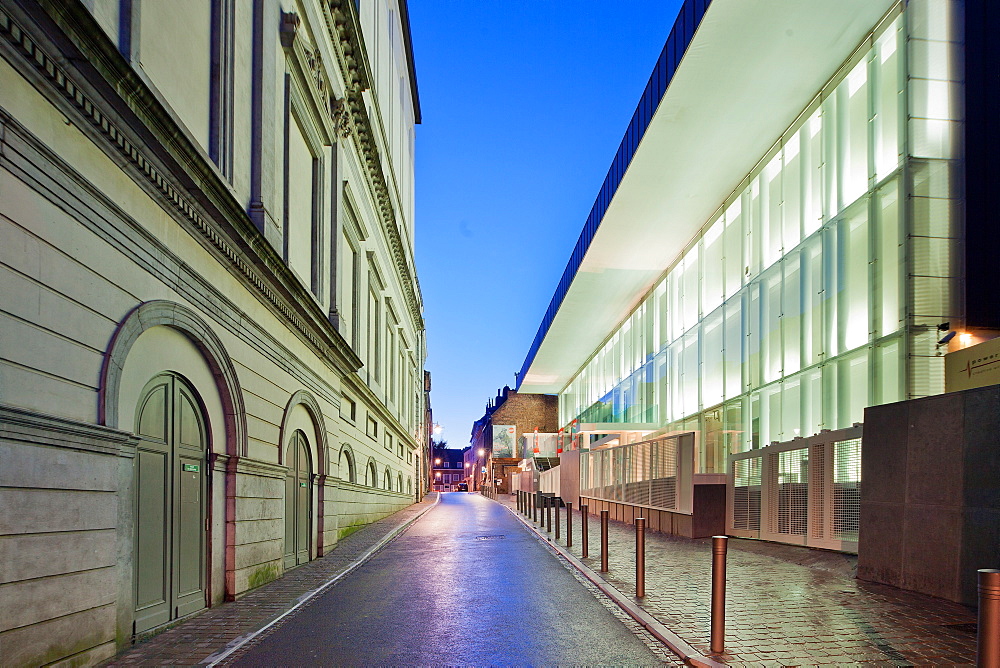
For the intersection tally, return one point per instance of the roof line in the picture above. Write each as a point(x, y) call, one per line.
point(404, 15)
point(688, 19)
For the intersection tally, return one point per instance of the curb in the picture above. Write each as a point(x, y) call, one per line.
point(677, 645)
point(238, 643)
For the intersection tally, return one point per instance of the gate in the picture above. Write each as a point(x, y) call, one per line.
point(802, 492)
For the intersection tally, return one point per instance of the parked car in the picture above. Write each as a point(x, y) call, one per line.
point(462, 487)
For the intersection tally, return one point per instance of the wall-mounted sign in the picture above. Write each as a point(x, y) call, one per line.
point(503, 440)
point(975, 366)
point(190, 467)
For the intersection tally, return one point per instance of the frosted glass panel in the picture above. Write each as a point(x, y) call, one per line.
point(690, 288)
point(791, 188)
point(811, 260)
point(769, 203)
point(791, 399)
point(712, 290)
point(712, 360)
point(734, 348)
point(888, 264)
point(812, 175)
point(853, 140)
point(888, 375)
point(771, 326)
point(854, 319)
point(791, 316)
point(734, 248)
point(887, 68)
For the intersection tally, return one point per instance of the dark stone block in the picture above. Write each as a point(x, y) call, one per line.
point(880, 543)
point(980, 549)
point(883, 454)
point(934, 451)
point(709, 517)
point(932, 550)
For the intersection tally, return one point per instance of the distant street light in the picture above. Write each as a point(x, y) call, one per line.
point(482, 452)
point(437, 429)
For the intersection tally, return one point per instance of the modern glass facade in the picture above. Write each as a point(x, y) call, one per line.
point(817, 288)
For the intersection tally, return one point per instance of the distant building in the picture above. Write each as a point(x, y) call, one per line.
point(212, 349)
point(494, 451)
point(799, 214)
point(448, 469)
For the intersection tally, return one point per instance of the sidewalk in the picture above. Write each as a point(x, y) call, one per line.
point(786, 605)
point(206, 637)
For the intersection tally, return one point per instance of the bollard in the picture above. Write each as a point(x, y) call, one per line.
point(548, 515)
point(556, 504)
point(534, 507)
point(988, 641)
point(718, 593)
point(640, 557)
point(569, 525)
point(584, 529)
point(604, 541)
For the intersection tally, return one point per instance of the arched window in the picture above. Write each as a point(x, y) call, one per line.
point(371, 475)
point(409, 485)
point(399, 482)
point(387, 480)
point(347, 464)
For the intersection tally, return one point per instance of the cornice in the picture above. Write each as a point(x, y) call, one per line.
point(345, 33)
point(118, 108)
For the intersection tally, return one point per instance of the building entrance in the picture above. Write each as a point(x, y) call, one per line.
point(298, 501)
point(170, 503)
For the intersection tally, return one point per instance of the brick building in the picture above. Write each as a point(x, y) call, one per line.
point(448, 469)
point(526, 413)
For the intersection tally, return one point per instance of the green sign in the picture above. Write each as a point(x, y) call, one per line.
point(189, 467)
point(302, 484)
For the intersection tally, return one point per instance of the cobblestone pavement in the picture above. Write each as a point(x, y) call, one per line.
point(786, 605)
point(198, 639)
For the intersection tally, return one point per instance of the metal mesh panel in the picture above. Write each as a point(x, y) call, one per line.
point(663, 474)
point(746, 494)
point(817, 491)
point(793, 492)
point(643, 474)
point(846, 488)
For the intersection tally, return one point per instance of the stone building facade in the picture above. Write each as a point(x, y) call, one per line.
point(211, 340)
point(527, 413)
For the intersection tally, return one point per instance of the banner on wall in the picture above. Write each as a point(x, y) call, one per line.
point(503, 440)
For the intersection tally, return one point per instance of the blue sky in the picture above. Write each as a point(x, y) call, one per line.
point(524, 105)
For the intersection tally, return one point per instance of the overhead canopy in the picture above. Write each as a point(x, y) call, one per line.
point(751, 67)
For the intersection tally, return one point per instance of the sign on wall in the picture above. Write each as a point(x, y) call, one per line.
point(975, 366)
point(503, 440)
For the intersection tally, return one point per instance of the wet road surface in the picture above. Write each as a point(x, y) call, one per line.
point(465, 585)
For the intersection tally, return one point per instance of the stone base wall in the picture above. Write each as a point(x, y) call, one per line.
point(707, 519)
point(930, 500)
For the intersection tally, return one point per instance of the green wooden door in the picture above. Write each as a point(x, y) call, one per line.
point(171, 489)
point(298, 501)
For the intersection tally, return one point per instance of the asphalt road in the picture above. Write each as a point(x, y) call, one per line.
point(465, 585)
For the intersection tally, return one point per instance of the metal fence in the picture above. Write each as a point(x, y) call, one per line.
point(653, 474)
point(548, 481)
point(803, 492)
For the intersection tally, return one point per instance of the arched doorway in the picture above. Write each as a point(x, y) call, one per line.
point(298, 501)
point(170, 503)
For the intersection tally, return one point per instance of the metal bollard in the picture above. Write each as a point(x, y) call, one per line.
point(556, 504)
point(719, 544)
point(584, 529)
point(548, 514)
point(569, 524)
point(640, 557)
point(604, 541)
point(534, 507)
point(988, 641)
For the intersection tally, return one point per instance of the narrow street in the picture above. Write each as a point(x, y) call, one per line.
point(466, 584)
